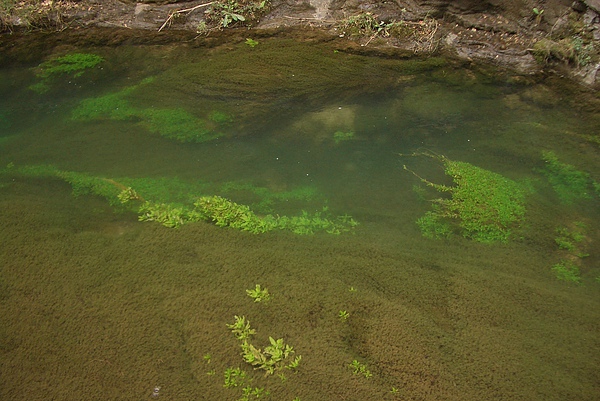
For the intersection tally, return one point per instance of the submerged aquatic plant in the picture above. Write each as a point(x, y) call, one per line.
point(168, 203)
point(340, 136)
point(483, 205)
point(259, 294)
point(572, 240)
point(72, 64)
point(275, 356)
point(568, 271)
point(570, 184)
point(172, 123)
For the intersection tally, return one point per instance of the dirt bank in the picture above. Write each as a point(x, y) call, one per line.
point(528, 36)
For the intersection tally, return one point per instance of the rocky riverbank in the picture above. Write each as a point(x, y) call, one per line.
point(529, 37)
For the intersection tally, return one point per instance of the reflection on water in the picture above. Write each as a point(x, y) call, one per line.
point(291, 129)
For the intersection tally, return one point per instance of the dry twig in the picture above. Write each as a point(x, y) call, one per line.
point(176, 13)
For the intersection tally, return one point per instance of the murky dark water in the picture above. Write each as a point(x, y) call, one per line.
point(98, 305)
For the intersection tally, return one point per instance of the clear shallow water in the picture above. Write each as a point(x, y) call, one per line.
point(118, 307)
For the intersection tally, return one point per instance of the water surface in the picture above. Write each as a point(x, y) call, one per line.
point(97, 305)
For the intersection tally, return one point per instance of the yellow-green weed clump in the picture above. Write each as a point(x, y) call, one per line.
point(174, 203)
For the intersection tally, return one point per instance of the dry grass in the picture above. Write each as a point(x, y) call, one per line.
point(34, 14)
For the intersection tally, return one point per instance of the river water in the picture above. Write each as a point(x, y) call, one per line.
point(99, 305)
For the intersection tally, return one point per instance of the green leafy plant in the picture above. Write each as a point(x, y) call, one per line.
point(235, 377)
point(567, 271)
point(359, 368)
point(485, 206)
point(228, 13)
point(570, 184)
point(254, 393)
point(225, 213)
point(343, 315)
point(241, 328)
point(258, 294)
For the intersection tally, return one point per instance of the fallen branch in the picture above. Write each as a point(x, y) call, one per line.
point(178, 12)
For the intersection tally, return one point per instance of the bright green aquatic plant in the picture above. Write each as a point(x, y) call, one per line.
point(343, 315)
point(570, 184)
point(274, 357)
point(251, 42)
point(72, 64)
point(359, 368)
point(267, 197)
point(236, 377)
point(173, 203)
point(169, 215)
point(340, 136)
point(175, 123)
point(483, 205)
point(572, 240)
point(81, 183)
point(568, 271)
point(225, 213)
